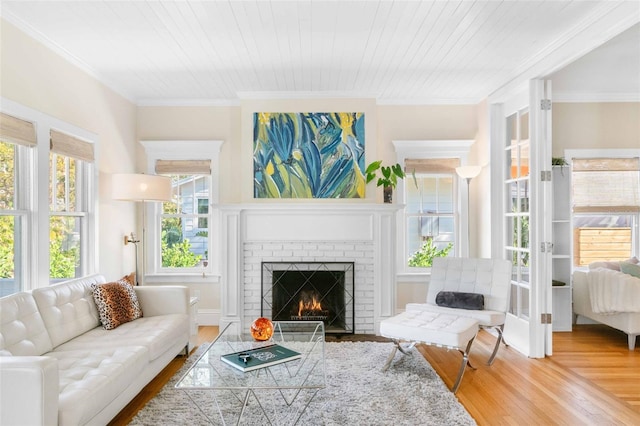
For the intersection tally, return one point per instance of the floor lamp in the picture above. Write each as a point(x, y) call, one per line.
point(468, 173)
point(140, 187)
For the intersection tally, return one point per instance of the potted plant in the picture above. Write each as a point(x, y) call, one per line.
point(387, 177)
point(559, 161)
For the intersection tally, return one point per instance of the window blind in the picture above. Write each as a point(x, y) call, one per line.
point(606, 185)
point(17, 131)
point(64, 144)
point(184, 167)
point(431, 165)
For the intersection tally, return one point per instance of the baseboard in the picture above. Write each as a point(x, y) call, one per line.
point(584, 320)
point(208, 316)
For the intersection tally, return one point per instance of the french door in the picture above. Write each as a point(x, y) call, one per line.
point(521, 129)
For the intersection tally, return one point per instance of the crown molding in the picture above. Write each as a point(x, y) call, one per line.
point(266, 95)
point(595, 97)
point(188, 102)
point(65, 54)
point(429, 101)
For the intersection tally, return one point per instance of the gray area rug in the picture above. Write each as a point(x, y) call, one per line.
point(357, 393)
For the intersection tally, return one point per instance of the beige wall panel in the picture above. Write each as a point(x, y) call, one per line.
point(480, 191)
point(411, 293)
point(413, 122)
point(36, 77)
point(612, 125)
point(198, 123)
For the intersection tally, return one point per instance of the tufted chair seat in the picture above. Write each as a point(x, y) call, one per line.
point(438, 329)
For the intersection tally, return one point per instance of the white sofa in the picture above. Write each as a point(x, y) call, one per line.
point(613, 302)
point(59, 366)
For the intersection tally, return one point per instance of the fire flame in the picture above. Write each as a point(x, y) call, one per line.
point(309, 305)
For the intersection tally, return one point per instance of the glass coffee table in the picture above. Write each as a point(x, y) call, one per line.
point(278, 394)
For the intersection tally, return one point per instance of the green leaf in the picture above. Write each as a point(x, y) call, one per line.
point(397, 170)
point(424, 257)
point(371, 168)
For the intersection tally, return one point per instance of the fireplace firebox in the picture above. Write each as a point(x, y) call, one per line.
point(310, 291)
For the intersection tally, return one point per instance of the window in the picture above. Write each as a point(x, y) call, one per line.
point(606, 208)
point(47, 199)
point(18, 137)
point(184, 222)
point(70, 162)
point(430, 210)
point(183, 232)
point(431, 193)
point(203, 209)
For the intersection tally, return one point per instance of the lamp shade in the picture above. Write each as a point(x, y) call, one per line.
point(468, 172)
point(141, 187)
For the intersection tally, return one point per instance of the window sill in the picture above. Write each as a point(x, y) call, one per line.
point(183, 278)
point(414, 277)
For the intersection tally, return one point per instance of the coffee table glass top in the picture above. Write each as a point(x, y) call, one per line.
point(307, 372)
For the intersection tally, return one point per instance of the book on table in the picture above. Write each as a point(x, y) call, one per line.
point(266, 356)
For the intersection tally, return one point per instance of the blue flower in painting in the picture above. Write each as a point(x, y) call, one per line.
point(281, 132)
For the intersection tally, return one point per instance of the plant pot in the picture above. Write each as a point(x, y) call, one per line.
point(388, 194)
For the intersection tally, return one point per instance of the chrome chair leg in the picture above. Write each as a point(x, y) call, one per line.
point(390, 357)
point(498, 341)
point(397, 347)
point(463, 366)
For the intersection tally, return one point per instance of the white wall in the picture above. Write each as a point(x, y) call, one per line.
point(33, 75)
point(383, 124)
point(36, 77)
point(590, 125)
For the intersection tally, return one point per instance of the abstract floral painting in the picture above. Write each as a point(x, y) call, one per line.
point(308, 155)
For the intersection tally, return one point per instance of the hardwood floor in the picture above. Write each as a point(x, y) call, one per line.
point(591, 379)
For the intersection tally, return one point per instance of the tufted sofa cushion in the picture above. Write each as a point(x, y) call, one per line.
point(68, 309)
point(91, 379)
point(155, 333)
point(22, 330)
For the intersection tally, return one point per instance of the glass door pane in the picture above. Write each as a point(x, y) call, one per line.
point(517, 216)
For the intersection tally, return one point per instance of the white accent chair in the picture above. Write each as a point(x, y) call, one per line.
point(455, 328)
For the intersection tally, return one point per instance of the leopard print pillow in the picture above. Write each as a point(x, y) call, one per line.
point(117, 303)
point(131, 278)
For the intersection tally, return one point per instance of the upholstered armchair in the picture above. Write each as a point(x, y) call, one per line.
point(465, 294)
point(489, 277)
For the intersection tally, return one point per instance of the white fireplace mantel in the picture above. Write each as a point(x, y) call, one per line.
point(284, 231)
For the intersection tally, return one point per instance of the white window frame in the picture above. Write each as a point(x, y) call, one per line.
point(36, 233)
point(81, 213)
point(429, 149)
point(23, 173)
point(183, 150)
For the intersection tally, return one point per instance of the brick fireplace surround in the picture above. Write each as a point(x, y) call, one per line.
point(359, 233)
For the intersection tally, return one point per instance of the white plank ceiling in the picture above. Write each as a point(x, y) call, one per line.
point(221, 51)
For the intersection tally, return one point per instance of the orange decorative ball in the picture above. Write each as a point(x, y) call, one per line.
point(262, 329)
